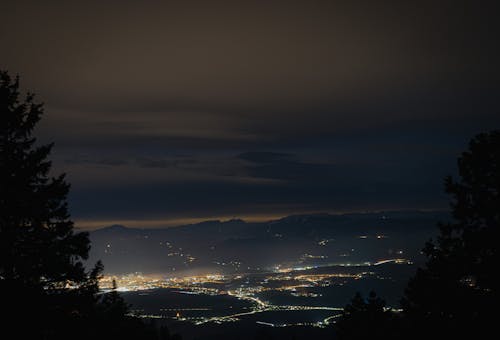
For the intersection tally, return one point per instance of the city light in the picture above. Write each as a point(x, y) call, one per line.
point(297, 281)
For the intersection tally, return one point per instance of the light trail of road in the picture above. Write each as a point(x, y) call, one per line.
point(263, 306)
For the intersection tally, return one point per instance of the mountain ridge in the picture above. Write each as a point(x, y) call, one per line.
point(233, 244)
point(289, 218)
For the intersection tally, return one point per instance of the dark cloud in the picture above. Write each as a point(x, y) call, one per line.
point(265, 157)
point(206, 108)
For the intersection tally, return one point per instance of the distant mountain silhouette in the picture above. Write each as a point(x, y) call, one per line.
point(260, 244)
point(115, 228)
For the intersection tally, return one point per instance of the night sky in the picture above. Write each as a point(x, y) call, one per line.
point(169, 112)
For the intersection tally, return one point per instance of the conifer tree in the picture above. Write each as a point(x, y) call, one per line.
point(41, 257)
point(366, 318)
point(43, 279)
point(38, 244)
point(456, 293)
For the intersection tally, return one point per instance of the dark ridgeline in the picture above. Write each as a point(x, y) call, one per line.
point(45, 291)
point(455, 295)
point(264, 244)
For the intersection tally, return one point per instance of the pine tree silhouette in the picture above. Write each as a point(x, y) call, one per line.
point(366, 318)
point(456, 293)
point(38, 245)
point(40, 255)
point(43, 280)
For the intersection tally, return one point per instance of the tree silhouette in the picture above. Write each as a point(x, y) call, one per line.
point(43, 280)
point(38, 245)
point(40, 255)
point(362, 319)
point(456, 293)
point(112, 304)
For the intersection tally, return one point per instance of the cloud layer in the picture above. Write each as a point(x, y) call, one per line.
point(179, 110)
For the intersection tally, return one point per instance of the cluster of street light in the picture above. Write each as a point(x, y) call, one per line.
point(299, 282)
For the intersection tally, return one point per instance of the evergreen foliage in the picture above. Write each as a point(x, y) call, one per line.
point(366, 318)
point(454, 296)
point(43, 280)
point(457, 290)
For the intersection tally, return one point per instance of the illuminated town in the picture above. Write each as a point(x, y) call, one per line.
point(295, 281)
